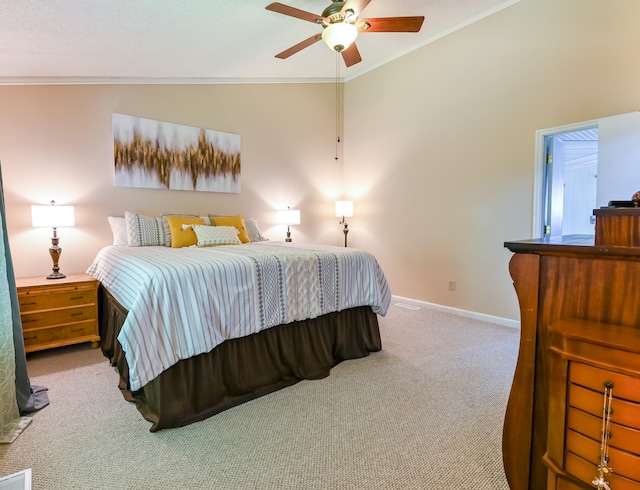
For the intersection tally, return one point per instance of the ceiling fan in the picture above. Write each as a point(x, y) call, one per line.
point(341, 23)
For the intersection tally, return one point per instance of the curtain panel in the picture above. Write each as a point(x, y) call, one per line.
point(17, 396)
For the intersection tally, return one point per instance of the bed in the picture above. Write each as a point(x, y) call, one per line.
point(194, 331)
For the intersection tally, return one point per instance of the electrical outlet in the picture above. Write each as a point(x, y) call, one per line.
point(452, 285)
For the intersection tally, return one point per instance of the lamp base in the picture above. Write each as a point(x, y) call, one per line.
point(55, 252)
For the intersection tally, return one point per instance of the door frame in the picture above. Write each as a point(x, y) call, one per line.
point(540, 164)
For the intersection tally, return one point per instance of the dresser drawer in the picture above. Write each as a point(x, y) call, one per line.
point(45, 300)
point(622, 437)
point(621, 462)
point(64, 335)
point(39, 319)
point(626, 387)
point(623, 412)
point(586, 472)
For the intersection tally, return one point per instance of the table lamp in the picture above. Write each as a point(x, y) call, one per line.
point(54, 217)
point(289, 217)
point(344, 209)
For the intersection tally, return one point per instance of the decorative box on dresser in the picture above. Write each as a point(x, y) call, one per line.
point(579, 303)
point(57, 312)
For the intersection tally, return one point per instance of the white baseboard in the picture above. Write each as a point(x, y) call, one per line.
point(408, 302)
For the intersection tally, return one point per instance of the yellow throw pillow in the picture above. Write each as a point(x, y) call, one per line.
point(180, 237)
point(237, 221)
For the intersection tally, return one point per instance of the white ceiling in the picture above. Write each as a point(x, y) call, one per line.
point(85, 41)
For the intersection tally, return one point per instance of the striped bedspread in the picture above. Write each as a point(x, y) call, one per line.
point(185, 301)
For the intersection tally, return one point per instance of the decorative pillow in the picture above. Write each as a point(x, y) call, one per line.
point(181, 237)
point(167, 229)
point(237, 221)
point(119, 230)
point(143, 231)
point(211, 236)
point(253, 231)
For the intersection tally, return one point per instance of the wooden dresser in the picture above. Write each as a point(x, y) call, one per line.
point(57, 312)
point(580, 328)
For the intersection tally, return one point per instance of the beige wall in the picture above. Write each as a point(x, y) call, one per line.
point(439, 144)
point(438, 147)
point(56, 143)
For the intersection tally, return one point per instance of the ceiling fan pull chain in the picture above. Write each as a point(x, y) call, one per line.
point(337, 103)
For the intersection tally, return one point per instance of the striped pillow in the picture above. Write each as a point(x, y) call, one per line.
point(143, 231)
point(253, 231)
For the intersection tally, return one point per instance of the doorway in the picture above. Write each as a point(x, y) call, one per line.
point(575, 160)
point(571, 174)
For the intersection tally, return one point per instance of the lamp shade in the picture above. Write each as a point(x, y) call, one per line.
point(52, 216)
point(344, 209)
point(339, 36)
point(289, 216)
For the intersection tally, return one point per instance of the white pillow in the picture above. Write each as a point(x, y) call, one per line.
point(253, 231)
point(211, 236)
point(144, 231)
point(119, 230)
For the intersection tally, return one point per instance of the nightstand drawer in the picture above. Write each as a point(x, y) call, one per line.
point(52, 318)
point(46, 300)
point(78, 332)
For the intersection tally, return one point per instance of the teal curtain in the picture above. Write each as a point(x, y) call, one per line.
point(17, 396)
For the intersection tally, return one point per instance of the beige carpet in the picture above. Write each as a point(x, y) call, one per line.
point(426, 412)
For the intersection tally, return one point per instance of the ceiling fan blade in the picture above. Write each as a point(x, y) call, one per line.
point(391, 24)
point(351, 55)
point(293, 12)
point(356, 5)
point(299, 47)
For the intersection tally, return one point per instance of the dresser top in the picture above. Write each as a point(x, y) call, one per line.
point(570, 244)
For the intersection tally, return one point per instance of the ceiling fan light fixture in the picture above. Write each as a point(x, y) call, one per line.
point(339, 35)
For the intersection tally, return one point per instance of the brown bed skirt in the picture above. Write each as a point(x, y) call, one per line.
point(241, 369)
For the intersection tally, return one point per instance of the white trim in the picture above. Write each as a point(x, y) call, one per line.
point(539, 166)
point(506, 322)
point(154, 81)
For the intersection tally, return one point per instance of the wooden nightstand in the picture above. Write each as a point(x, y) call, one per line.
point(57, 312)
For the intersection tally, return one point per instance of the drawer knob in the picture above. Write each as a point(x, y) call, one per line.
point(608, 384)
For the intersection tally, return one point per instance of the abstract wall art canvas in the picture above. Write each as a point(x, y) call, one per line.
point(161, 155)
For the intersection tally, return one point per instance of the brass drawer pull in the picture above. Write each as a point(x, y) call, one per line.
point(77, 330)
point(77, 297)
point(28, 304)
point(76, 314)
